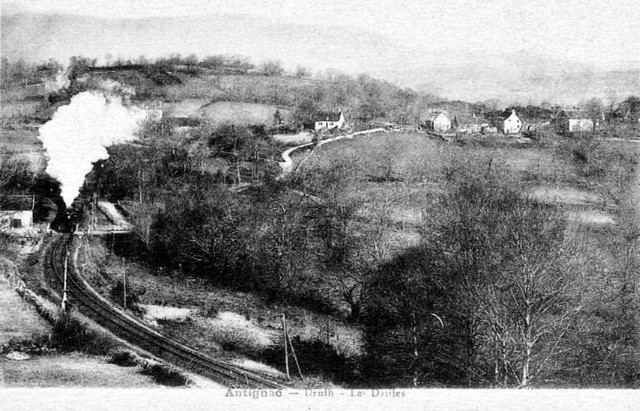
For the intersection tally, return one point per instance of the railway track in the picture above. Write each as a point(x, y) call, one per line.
point(132, 330)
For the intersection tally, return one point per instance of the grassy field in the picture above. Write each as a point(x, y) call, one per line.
point(71, 370)
point(243, 113)
point(18, 320)
point(22, 144)
point(403, 175)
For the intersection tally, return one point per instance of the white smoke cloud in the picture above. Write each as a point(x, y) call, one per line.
point(78, 134)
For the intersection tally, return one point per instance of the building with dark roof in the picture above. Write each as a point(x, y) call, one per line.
point(574, 121)
point(16, 211)
point(466, 122)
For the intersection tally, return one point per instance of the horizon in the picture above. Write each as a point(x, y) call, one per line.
point(587, 31)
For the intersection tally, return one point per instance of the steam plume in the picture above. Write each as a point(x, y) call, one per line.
point(79, 133)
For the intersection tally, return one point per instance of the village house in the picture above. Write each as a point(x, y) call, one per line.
point(574, 121)
point(16, 211)
point(466, 123)
point(329, 120)
point(438, 122)
point(512, 124)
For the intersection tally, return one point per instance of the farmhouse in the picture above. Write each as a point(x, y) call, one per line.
point(574, 121)
point(511, 124)
point(16, 211)
point(438, 122)
point(466, 123)
point(328, 120)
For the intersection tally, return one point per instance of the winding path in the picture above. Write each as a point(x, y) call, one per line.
point(287, 164)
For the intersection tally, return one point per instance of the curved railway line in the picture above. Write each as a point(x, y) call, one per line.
point(130, 329)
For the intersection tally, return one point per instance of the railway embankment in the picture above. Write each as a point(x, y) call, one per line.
point(128, 328)
point(41, 345)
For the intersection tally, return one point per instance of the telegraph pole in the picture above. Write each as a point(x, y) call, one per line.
point(64, 281)
point(286, 348)
point(124, 285)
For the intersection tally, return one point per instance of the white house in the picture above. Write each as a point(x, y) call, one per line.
point(16, 211)
point(329, 120)
point(438, 122)
point(511, 124)
point(574, 121)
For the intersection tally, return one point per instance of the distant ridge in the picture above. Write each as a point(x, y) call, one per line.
point(464, 75)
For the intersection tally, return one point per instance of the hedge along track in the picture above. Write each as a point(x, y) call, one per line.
point(130, 329)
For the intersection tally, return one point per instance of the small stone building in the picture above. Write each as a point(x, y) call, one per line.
point(16, 211)
point(438, 122)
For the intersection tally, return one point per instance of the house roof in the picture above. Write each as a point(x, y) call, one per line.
point(435, 115)
point(466, 118)
point(327, 116)
point(512, 113)
point(575, 114)
point(17, 202)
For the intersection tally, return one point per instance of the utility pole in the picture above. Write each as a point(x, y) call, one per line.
point(293, 352)
point(124, 285)
point(286, 342)
point(63, 305)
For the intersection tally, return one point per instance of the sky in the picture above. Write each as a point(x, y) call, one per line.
point(605, 33)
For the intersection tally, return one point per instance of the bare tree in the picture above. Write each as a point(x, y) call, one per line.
point(508, 256)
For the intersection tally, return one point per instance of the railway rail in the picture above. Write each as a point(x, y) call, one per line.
point(132, 330)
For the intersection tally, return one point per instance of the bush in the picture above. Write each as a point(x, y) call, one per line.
point(124, 359)
point(165, 375)
point(316, 358)
point(72, 334)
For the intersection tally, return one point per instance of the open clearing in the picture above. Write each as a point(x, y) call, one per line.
point(300, 138)
point(71, 370)
point(18, 319)
point(22, 145)
point(243, 113)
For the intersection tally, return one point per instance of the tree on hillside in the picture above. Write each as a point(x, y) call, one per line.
point(79, 65)
point(414, 336)
point(507, 257)
point(302, 71)
point(202, 231)
point(213, 62)
point(630, 108)
point(272, 68)
point(595, 109)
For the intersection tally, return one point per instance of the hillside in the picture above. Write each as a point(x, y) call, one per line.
point(455, 74)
